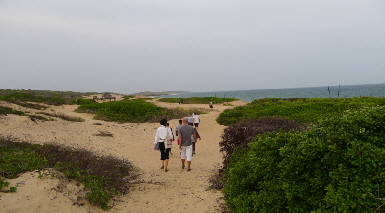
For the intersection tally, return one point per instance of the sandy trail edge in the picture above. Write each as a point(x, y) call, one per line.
point(173, 191)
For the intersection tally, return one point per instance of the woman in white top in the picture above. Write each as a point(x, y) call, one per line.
point(163, 134)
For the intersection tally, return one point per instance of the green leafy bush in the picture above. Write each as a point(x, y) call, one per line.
point(337, 166)
point(135, 111)
point(82, 101)
point(301, 109)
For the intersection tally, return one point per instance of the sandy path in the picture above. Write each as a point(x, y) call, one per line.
point(159, 191)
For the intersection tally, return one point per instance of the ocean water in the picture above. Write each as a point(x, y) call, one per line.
point(370, 90)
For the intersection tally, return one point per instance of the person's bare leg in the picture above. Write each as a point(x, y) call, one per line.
point(162, 164)
point(166, 165)
point(193, 147)
point(182, 160)
point(188, 165)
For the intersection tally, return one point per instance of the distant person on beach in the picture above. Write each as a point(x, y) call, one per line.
point(190, 120)
point(211, 105)
point(177, 130)
point(185, 133)
point(162, 133)
point(196, 120)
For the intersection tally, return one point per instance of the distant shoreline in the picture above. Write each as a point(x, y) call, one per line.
point(148, 93)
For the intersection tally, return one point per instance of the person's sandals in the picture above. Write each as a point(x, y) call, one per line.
point(182, 167)
point(166, 170)
point(188, 170)
point(162, 167)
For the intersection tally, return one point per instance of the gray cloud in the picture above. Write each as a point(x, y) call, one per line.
point(136, 46)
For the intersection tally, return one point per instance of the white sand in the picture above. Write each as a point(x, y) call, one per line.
point(174, 191)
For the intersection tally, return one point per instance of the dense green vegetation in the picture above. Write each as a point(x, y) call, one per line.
point(337, 166)
point(133, 110)
point(198, 100)
point(136, 110)
point(81, 101)
point(301, 109)
point(103, 176)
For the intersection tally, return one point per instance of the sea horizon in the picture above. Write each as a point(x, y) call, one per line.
point(340, 91)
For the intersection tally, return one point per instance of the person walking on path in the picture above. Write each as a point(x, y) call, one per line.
point(177, 130)
point(195, 140)
point(196, 120)
point(211, 105)
point(185, 133)
point(163, 133)
point(169, 142)
point(190, 120)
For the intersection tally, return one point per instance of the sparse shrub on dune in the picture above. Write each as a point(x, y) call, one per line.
point(63, 116)
point(7, 110)
point(104, 176)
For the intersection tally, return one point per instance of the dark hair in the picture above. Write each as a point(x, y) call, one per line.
point(163, 122)
point(180, 121)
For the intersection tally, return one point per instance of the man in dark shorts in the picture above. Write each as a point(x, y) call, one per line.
point(196, 120)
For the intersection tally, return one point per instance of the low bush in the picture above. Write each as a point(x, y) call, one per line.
point(239, 135)
point(137, 110)
point(301, 109)
point(26, 97)
point(134, 111)
point(27, 104)
point(104, 176)
point(7, 110)
point(336, 166)
point(82, 101)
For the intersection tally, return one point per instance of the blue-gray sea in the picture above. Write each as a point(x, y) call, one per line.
point(370, 90)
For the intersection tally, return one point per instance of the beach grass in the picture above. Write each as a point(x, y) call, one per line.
point(63, 116)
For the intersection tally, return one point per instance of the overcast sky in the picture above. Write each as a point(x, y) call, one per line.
point(133, 46)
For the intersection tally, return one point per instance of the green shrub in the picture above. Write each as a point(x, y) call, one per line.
point(337, 166)
point(301, 109)
point(137, 110)
point(82, 101)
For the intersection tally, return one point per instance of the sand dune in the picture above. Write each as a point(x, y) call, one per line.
point(157, 191)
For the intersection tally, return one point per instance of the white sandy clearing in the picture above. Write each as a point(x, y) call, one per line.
point(174, 191)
